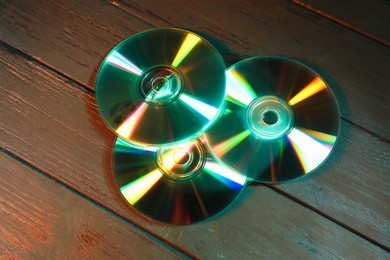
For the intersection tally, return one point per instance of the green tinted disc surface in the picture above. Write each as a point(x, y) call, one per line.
point(179, 184)
point(281, 121)
point(161, 86)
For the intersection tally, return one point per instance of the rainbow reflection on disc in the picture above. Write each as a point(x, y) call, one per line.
point(180, 184)
point(281, 120)
point(161, 86)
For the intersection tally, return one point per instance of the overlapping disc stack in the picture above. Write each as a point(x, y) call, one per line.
point(192, 133)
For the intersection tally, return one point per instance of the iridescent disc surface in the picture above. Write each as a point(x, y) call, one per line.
point(180, 184)
point(281, 121)
point(161, 86)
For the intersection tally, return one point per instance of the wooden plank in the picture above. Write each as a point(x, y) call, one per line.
point(40, 219)
point(352, 185)
point(51, 123)
point(368, 17)
point(69, 34)
point(74, 38)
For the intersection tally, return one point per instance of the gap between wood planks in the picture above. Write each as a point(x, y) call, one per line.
point(90, 90)
point(341, 224)
point(159, 239)
point(341, 22)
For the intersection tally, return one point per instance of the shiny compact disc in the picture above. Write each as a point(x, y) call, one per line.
point(177, 184)
point(161, 86)
point(281, 120)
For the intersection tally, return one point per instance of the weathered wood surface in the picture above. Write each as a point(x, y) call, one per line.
point(54, 125)
point(368, 17)
point(83, 45)
point(74, 37)
point(40, 219)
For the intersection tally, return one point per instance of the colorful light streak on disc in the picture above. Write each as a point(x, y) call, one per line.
point(227, 176)
point(310, 152)
point(224, 147)
point(128, 126)
point(188, 44)
point(311, 89)
point(239, 91)
point(324, 138)
point(200, 107)
point(136, 189)
point(143, 182)
point(119, 61)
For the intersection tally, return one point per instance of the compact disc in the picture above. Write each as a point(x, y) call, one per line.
point(281, 120)
point(179, 184)
point(161, 86)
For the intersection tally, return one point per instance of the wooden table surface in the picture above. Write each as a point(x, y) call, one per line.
point(57, 195)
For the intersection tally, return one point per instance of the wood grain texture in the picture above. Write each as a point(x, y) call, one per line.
point(51, 123)
point(352, 184)
point(74, 38)
point(343, 198)
point(368, 17)
point(40, 219)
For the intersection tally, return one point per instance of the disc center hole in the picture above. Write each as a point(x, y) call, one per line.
point(181, 156)
point(270, 117)
point(159, 84)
